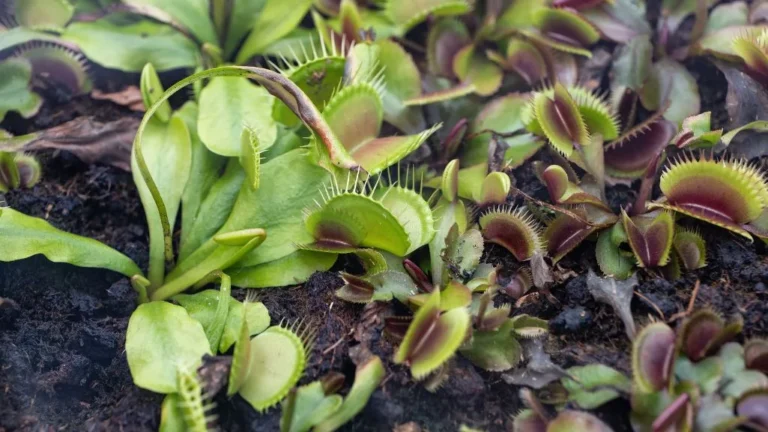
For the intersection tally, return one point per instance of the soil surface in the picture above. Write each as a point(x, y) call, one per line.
point(62, 328)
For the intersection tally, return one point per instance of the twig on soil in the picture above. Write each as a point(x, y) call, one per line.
point(337, 343)
point(691, 303)
point(653, 305)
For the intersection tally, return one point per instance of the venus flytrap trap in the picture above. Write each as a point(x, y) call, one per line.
point(693, 378)
point(18, 170)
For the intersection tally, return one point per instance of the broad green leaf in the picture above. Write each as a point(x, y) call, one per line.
point(121, 42)
point(670, 83)
point(310, 406)
point(202, 307)
point(633, 63)
point(367, 379)
point(595, 384)
point(408, 13)
point(720, 42)
point(276, 20)
point(47, 14)
point(151, 90)
point(193, 15)
point(214, 208)
point(228, 105)
point(244, 14)
point(727, 15)
point(203, 174)
point(160, 337)
point(20, 35)
point(495, 350)
point(15, 94)
point(277, 206)
point(167, 149)
point(278, 357)
point(291, 269)
point(24, 236)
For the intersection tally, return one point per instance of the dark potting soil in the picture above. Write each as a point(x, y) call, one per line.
point(62, 328)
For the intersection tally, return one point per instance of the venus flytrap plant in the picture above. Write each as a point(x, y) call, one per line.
point(693, 378)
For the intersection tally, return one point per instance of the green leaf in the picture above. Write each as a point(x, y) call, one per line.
point(203, 174)
point(276, 20)
point(229, 105)
point(24, 236)
point(593, 385)
point(310, 406)
point(407, 13)
point(202, 307)
point(367, 379)
point(241, 18)
point(633, 63)
point(15, 94)
point(496, 350)
point(610, 258)
point(167, 150)
point(671, 83)
point(276, 206)
point(46, 14)
point(193, 15)
point(160, 337)
point(121, 42)
point(151, 90)
point(291, 269)
point(727, 15)
point(278, 357)
point(228, 248)
point(213, 210)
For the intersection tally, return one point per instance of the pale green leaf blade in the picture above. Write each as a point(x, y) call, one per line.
point(24, 236)
point(228, 105)
point(244, 14)
point(214, 209)
point(160, 337)
point(193, 15)
point(167, 150)
point(203, 174)
point(291, 269)
point(119, 42)
point(276, 20)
